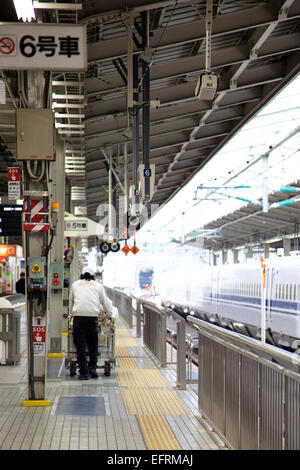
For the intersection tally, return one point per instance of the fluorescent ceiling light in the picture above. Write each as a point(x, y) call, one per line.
point(24, 9)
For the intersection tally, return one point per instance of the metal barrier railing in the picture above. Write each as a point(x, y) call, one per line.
point(247, 390)
point(154, 329)
point(11, 307)
point(124, 304)
point(155, 338)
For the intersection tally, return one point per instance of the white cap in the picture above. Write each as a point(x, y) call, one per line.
point(87, 269)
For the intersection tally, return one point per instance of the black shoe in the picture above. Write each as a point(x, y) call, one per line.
point(93, 374)
point(83, 377)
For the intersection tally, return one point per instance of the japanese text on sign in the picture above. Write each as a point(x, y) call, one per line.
point(72, 225)
point(38, 340)
point(43, 47)
point(29, 46)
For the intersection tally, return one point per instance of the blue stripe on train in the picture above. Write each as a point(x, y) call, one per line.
point(291, 308)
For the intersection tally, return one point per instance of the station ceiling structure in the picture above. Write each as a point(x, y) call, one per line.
point(255, 51)
point(250, 225)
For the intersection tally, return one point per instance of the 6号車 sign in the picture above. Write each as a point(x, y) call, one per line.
point(43, 46)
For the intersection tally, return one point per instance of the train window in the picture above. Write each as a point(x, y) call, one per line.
point(294, 292)
point(279, 291)
point(291, 292)
point(286, 292)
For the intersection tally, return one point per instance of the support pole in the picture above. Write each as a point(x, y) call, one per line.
point(209, 18)
point(36, 249)
point(136, 123)
point(128, 19)
point(125, 178)
point(146, 104)
point(110, 196)
point(265, 163)
point(57, 252)
point(263, 302)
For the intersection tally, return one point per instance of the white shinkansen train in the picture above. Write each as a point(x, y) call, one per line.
point(230, 296)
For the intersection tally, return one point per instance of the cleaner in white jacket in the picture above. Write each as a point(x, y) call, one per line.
point(87, 297)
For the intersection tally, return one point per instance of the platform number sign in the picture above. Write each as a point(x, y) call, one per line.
point(147, 172)
point(76, 225)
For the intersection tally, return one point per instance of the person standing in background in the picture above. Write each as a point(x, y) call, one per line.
point(20, 284)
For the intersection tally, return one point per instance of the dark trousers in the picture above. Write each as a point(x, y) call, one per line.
point(85, 334)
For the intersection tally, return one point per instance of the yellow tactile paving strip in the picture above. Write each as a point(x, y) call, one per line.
point(126, 363)
point(142, 401)
point(126, 341)
point(122, 332)
point(148, 404)
point(134, 378)
point(121, 351)
point(157, 433)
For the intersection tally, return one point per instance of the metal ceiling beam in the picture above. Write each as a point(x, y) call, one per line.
point(56, 6)
point(181, 34)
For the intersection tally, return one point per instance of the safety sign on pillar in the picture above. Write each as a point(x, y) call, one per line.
point(14, 183)
point(36, 221)
point(38, 340)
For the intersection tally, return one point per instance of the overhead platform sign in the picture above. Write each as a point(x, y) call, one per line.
point(79, 227)
point(43, 47)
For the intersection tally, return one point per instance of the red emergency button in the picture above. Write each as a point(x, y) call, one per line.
point(56, 282)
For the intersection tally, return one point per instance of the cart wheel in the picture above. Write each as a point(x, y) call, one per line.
point(72, 368)
point(107, 368)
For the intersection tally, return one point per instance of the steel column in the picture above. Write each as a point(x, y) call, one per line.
point(146, 103)
point(57, 251)
point(136, 147)
point(36, 245)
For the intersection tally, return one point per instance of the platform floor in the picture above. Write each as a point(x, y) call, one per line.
point(136, 408)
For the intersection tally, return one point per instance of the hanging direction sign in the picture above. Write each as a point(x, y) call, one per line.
point(43, 47)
